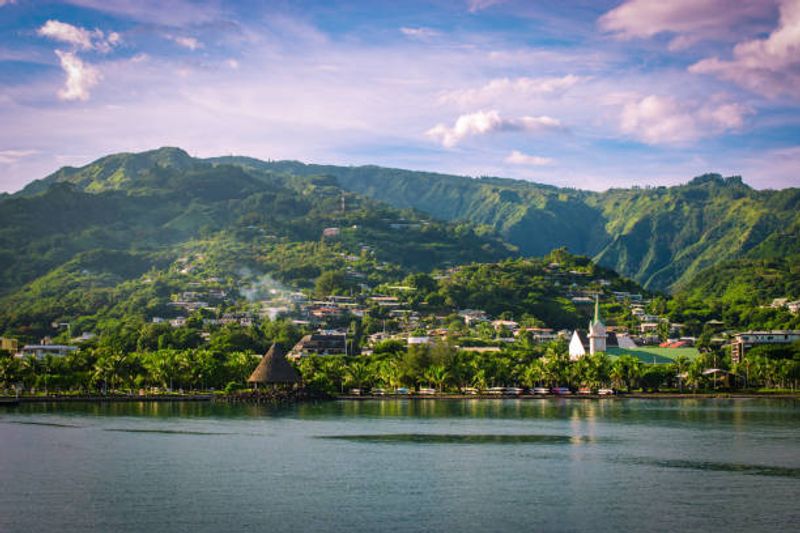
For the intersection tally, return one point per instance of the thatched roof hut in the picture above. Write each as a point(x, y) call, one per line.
point(274, 369)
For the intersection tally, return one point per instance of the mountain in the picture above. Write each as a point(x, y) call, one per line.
point(750, 282)
point(115, 235)
point(659, 236)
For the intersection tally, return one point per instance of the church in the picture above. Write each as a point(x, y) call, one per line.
point(598, 339)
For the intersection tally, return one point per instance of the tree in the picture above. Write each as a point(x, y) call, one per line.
point(534, 374)
point(330, 282)
point(626, 370)
point(358, 373)
point(437, 375)
point(679, 365)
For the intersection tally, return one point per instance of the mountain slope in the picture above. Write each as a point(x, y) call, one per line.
point(659, 236)
point(159, 209)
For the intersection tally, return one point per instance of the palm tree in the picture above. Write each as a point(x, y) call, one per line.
point(437, 375)
point(694, 373)
point(391, 373)
point(9, 371)
point(599, 366)
point(479, 379)
point(357, 373)
point(627, 369)
point(534, 374)
point(28, 368)
point(680, 365)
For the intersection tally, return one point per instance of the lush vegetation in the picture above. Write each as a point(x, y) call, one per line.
point(130, 227)
point(659, 236)
point(123, 246)
point(132, 355)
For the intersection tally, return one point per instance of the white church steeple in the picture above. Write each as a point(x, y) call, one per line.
point(597, 330)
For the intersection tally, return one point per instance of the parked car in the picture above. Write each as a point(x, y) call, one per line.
point(541, 390)
point(561, 391)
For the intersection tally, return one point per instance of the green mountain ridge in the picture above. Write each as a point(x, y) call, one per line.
point(159, 208)
point(659, 236)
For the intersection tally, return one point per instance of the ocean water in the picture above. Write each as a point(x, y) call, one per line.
point(403, 465)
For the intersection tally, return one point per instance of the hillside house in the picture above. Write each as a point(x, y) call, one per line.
point(327, 343)
point(741, 342)
point(40, 351)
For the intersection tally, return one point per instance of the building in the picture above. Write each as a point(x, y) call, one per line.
point(9, 345)
point(597, 331)
point(741, 342)
point(274, 369)
point(40, 351)
point(328, 343)
point(472, 317)
point(597, 340)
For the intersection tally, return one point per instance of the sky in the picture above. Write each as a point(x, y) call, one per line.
point(584, 94)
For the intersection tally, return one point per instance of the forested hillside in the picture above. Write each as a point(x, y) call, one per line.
point(86, 241)
point(660, 236)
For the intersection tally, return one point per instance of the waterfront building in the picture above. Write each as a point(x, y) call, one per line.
point(599, 339)
point(741, 342)
point(274, 369)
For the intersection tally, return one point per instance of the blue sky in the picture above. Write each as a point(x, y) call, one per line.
point(586, 94)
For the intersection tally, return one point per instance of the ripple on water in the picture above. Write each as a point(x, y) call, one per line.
point(165, 431)
point(434, 438)
point(710, 466)
point(48, 424)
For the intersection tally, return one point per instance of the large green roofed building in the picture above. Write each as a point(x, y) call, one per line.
point(654, 354)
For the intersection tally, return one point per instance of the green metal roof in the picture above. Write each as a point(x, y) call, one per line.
point(654, 354)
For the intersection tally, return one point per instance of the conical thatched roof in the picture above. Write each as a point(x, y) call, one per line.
point(274, 368)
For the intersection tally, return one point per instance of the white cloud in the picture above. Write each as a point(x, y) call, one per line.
point(664, 120)
point(689, 20)
point(67, 33)
point(483, 122)
point(479, 5)
point(501, 88)
point(179, 13)
point(418, 33)
point(80, 77)
point(8, 157)
point(187, 42)
point(768, 66)
point(79, 38)
point(518, 158)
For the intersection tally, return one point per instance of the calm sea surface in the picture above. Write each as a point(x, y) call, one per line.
point(399, 465)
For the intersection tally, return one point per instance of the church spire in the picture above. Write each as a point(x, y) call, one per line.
point(596, 308)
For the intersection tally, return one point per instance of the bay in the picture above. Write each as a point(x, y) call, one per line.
point(432, 465)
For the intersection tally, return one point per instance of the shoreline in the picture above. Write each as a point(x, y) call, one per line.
point(200, 398)
point(631, 396)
